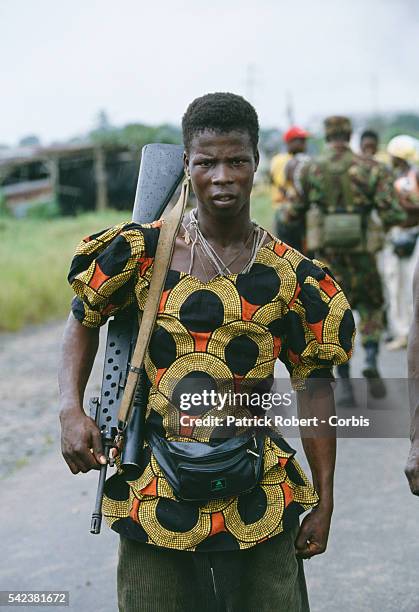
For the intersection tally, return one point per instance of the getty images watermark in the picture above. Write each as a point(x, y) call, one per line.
point(204, 404)
point(214, 399)
point(207, 400)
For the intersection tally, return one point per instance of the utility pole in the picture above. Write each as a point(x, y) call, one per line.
point(374, 83)
point(250, 82)
point(100, 179)
point(289, 108)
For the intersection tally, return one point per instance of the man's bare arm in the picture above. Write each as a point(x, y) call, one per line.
point(81, 443)
point(412, 465)
point(320, 448)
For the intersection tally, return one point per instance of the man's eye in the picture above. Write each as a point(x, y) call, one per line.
point(238, 162)
point(205, 163)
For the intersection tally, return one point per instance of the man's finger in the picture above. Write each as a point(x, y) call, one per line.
point(73, 467)
point(412, 475)
point(302, 538)
point(114, 452)
point(310, 550)
point(414, 485)
point(85, 459)
point(303, 551)
point(97, 447)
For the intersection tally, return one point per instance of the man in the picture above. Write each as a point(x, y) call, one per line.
point(341, 191)
point(235, 299)
point(285, 173)
point(403, 250)
point(295, 139)
point(369, 143)
point(412, 465)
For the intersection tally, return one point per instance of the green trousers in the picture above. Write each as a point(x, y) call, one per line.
point(265, 578)
point(358, 275)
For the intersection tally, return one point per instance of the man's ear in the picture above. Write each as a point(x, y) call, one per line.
point(186, 162)
point(257, 159)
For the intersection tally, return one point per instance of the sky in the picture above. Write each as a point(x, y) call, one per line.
point(144, 61)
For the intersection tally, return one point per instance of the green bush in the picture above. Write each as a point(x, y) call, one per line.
point(44, 210)
point(35, 256)
point(4, 211)
point(36, 253)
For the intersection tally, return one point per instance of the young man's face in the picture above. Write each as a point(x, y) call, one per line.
point(222, 167)
point(369, 146)
point(296, 145)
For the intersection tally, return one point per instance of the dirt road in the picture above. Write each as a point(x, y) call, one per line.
point(28, 394)
point(371, 565)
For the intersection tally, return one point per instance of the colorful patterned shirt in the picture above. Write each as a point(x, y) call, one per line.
point(233, 328)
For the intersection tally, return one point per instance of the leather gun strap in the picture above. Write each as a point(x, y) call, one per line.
point(163, 257)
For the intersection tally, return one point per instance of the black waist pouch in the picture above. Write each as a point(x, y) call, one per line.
point(200, 472)
point(405, 243)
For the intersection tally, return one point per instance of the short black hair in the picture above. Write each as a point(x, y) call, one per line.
point(220, 112)
point(369, 134)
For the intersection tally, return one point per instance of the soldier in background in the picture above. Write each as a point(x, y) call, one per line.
point(369, 147)
point(340, 192)
point(403, 248)
point(369, 143)
point(285, 170)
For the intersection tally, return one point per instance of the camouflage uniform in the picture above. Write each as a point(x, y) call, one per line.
point(371, 186)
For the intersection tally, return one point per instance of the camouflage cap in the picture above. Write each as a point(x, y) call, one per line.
point(336, 125)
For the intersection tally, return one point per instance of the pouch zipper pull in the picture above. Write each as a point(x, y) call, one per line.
point(252, 452)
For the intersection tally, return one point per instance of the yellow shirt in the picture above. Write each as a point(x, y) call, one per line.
point(278, 165)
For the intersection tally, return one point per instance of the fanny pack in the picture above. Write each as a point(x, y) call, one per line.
point(199, 472)
point(404, 244)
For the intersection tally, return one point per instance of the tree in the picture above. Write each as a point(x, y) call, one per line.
point(32, 140)
point(103, 123)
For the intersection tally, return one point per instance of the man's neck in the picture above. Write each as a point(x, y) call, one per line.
point(224, 231)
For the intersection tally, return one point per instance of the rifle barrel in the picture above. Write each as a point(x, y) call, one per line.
point(96, 521)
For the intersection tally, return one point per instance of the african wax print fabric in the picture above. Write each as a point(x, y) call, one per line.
point(231, 328)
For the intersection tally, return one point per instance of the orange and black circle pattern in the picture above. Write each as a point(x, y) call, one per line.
point(220, 334)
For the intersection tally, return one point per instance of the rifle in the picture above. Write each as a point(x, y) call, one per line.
point(161, 171)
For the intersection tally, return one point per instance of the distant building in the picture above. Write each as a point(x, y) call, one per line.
point(79, 177)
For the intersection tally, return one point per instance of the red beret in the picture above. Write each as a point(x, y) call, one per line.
point(295, 132)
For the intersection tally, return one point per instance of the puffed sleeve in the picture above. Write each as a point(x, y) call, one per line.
point(319, 326)
point(104, 271)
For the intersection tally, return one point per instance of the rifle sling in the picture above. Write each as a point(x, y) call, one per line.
point(162, 260)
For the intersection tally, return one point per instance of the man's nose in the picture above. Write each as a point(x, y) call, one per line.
point(222, 175)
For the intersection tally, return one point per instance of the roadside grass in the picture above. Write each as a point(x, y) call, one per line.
point(35, 256)
point(261, 207)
